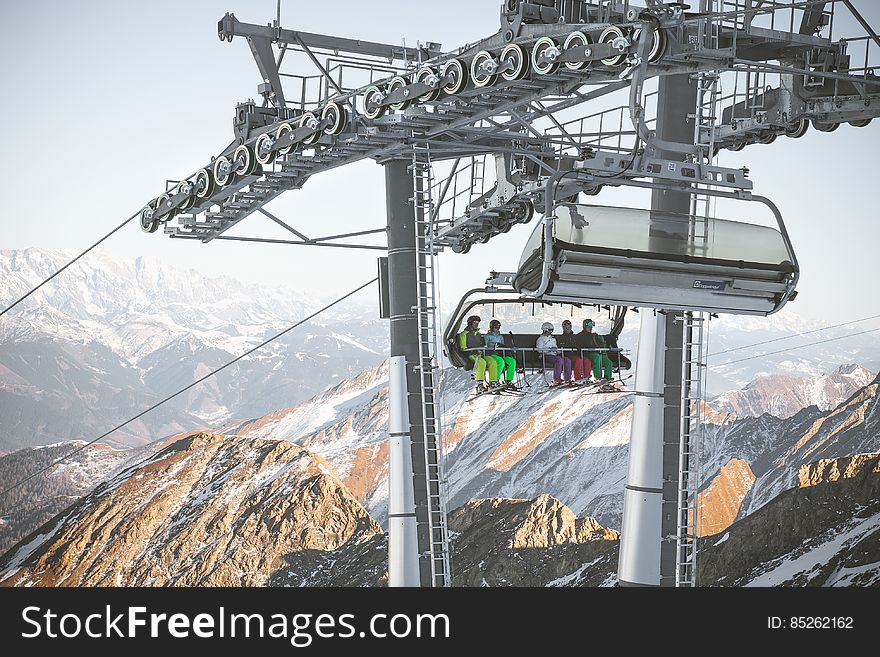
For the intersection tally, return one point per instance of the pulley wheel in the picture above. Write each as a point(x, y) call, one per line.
point(456, 75)
point(163, 203)
point(394, 85)
point(243, 161)
point(423, 75)
point(797, 129)
point(335, 114)
point(658, 43)
point(185, 187)
point(204, 183)
point(263, 151)
point(825, 127)
point(518, 59)
point(308, 120)
point(222, 170)
point(284, 130)
point(576, 40)
point(372, 108)
point(480, 76)
point(149, 224)
point(609, 34)
point(523, 211)
point(541, 46)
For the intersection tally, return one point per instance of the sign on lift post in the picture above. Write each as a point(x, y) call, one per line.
point(384, 291)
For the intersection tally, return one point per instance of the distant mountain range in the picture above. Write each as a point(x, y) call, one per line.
point(109, 338)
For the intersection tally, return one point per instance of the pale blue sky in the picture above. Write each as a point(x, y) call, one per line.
point(105, 100)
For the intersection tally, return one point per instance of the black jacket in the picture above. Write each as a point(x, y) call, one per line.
point(567, 341)
point(590, 340)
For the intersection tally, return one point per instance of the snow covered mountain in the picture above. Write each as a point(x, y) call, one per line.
point(210, 510)
point(784, 395)
point(39, 498)
point(571, 445)
point(825, 531)
point(109, 338)
point(71, 367)
point(742, 348)
point(520, 447)
point(207, 511)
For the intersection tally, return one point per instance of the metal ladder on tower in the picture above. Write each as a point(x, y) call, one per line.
point(693, 380)
point(693, 366)
point(426, 311)
point(705, 114)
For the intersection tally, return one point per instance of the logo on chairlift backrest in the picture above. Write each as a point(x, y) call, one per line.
point(709, 285)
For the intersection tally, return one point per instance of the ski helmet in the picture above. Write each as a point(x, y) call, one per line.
point(589, 322)
point(494, 324)
point(546, 326)
point(473, 318)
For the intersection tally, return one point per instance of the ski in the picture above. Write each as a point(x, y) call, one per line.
point(497, 391)
point(586, 387)
point(608, 387)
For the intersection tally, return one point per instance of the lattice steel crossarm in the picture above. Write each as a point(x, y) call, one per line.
point(439, 94)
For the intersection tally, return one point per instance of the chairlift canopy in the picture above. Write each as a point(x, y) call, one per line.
point(649, 258)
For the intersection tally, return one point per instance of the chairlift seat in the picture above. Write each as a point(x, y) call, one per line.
point(525, 353)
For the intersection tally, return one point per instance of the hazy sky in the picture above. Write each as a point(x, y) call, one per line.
point(104, 101)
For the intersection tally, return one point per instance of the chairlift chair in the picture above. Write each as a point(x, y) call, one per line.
point(526, 355)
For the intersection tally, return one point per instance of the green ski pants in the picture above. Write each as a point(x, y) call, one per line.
point(601, 365)
point(479, 367)
point(499, 364)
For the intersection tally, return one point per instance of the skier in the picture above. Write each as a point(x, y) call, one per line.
point(549, 351)
point(498, 362)
point(600, 360)
point(471, 338)
point(568, 341)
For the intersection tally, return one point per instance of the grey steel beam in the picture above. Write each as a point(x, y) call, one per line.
point(229, 26)
point(766, 66)
point(261, 48)
point(324, 72)
point(267, 240)
point(282, 224)
point(371, 231)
